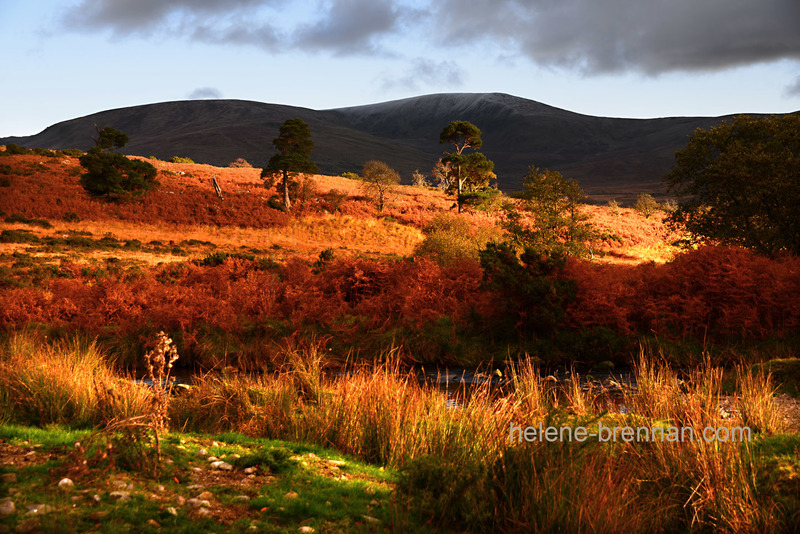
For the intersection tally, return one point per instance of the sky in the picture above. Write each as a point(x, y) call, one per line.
point(615, 58)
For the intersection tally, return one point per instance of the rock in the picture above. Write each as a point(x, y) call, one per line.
point(153, 523)
point(7, 508)
point(203, 511)
point(194, 487)
point(369, 491)
point(198, 503)
point(370, 519)
point(28, 526)
point(8, 478)
point(96, 498)
point(212, 459)
point(306, 529)
point(66, 484)
point(180, 500)
point(224, 466)
point(172, 511)
point(249, 470)
point(241, 498)
point(291, 495)
point(202, 452)
point(160, 488)
point(119, 484)
point(206, 496)
point(120, 496)
point(234, 457)
point(39, 509)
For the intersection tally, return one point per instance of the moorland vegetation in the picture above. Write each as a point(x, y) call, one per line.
point(306, 326)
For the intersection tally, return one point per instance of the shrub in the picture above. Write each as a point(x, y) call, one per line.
point(179, 159)
point(5, 182)
point(74, 152)
point(240, 163)
point(17, 218)
point(646, 205)
point(350, 176)
point(112, 175)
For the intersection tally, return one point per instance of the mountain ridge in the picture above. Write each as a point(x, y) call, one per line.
point(609, 157)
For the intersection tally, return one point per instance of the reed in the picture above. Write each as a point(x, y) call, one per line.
point(64, 382)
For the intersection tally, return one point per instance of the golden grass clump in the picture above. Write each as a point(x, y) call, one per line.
point(64, 382)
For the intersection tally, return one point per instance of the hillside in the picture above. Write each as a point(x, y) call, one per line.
point(611, 158)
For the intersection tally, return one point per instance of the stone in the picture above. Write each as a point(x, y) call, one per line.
point(241, 498)
point(66, 484)
point(198, 503)
point(202, 452)
point(180, 500)
point(212, 459)
point(7, 508)
point(39, 509)
point(153, 523)
point(223, 466)
point(249, 470)
point(206, 496)
point(28, 526)
point(234, 457)
point(370, 519)
point(120, 496)
point(172, 511)
point(306, 529)
point(203, 511)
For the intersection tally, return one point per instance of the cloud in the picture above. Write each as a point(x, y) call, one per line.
point(338, 26)
point(204, 93)
point(424, 72)
point(145, 17)
point(651, 37)
point(351, 26)
point(793, 90)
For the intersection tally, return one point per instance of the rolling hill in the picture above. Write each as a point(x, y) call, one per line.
point(610, 157)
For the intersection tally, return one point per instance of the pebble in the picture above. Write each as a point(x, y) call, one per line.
point(224, 466)
point(172, 511)
point(241, 498)
point(202, 452)
point(180, 500)
point(7, 508)
point(212, 459)
point(234, 457)
point(39, 509)
point(153, 523)
point(306, 529)
point(370, 519)
point(198, 503)
point(203, 511)
point(205, 496)
point(28, 526)
point(120, 496)
point(66, 484)
point(249, 470)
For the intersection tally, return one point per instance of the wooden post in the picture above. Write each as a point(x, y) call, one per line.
point(217, 187)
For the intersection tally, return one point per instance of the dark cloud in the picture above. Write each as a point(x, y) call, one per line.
point(793, 89)
point(424, 72)
point(145, 17)
point(652, 36)
point(351, 26)
point(205, 93)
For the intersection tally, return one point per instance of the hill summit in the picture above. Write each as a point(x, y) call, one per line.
point(610, 157)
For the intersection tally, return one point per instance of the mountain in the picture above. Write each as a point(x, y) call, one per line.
point(611, 158)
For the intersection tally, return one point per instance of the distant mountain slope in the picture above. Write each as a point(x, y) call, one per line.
point(609, 157)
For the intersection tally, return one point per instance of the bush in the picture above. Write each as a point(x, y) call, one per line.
point(74, 152)
point(350, 176)
point(178, 159)
point(240, 163)
point(646, 205)
point(17, 218)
